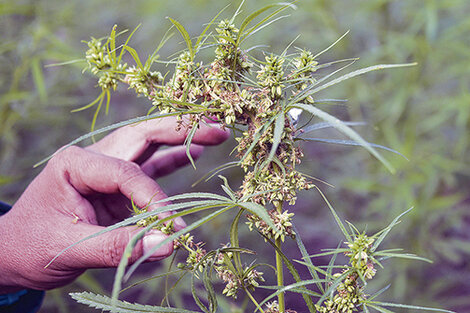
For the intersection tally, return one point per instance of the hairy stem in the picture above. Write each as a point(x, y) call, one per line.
point(279, 268)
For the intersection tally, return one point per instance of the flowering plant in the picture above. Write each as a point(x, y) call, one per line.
point(260, 98)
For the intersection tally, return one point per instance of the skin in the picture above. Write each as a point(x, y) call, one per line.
point(80, 191)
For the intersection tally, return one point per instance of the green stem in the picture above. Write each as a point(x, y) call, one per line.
point(279, 268)
point(254, 300)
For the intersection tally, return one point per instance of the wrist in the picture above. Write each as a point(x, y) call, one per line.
point(8, 285)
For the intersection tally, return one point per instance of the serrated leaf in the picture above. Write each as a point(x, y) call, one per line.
point(112, 45)
point(170, 238)
point(211, 296)
point(105, 129)
point(105, 303)
point(260, 211)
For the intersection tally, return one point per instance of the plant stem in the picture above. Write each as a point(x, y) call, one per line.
point(254, 300)
point(279, 268)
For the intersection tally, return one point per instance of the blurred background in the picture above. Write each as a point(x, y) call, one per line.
point(423, 112)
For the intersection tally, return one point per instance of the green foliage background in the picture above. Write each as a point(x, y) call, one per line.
point(422, 112)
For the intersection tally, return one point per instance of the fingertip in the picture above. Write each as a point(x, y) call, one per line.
point(152, 243)
point(211, 134)
point(196, 151)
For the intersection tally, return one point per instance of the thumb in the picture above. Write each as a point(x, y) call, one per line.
point(106, 250)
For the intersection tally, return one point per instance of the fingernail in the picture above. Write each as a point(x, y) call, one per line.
point(153, 239)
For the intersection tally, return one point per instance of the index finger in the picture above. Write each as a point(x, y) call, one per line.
point(131, 142)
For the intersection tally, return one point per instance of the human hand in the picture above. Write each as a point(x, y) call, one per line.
point(83, 189)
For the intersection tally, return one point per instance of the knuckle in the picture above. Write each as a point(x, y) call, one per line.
point(64, 154)
point(128, 169)
point(114, 249)
point(128, 173)
point(62, 159)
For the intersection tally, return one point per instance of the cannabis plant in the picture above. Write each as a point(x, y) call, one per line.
point(269, 102)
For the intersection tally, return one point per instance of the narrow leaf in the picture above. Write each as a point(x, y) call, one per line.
point(135, 56)
point(185, 35)
point(331, 46)
point(252, 16)
point(125, 44)
point(38, 78)
point(335, 215)
point(357, 73)
point(293, 287)
point(339, 125)
point(414, 307)
point(187, 142)
point(277, 137)
point(201, 36)
point(383, 233)
point(234, 239)
point(303, 251)
point(351, 143)
point(323, 125)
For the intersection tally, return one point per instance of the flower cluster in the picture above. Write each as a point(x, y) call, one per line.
point(249, 280)
point(359, 253)
point(195, 260)
point(305, 65)
point(349, 293)
point(252, 102)
point(282, 221)
point(222, 91)
point(99, 63)
point(347, 298)
point(271, 76)
point(221, 261)
point(273, 307)
point(97, 56)
point(142, 81)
